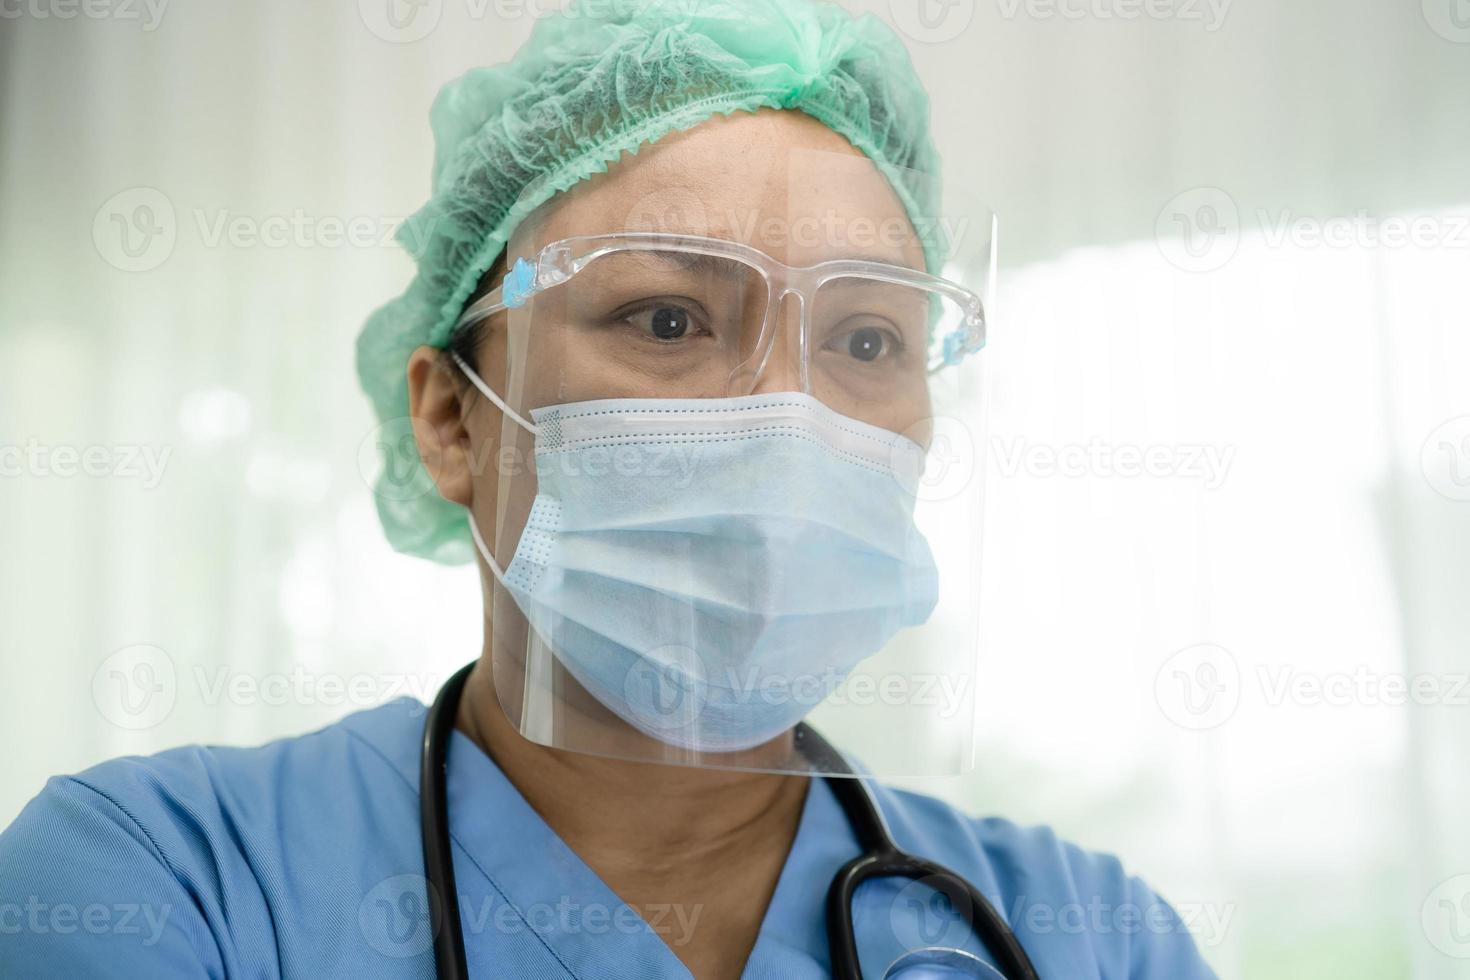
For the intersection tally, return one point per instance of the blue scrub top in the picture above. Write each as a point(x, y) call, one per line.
point(302, 858)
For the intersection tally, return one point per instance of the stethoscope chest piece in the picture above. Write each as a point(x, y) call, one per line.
point(940, 963)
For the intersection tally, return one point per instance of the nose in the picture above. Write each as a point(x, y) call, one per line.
point(781, 367)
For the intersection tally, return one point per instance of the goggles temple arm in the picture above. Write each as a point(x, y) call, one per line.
point(517, 286)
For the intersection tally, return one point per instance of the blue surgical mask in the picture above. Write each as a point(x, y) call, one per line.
point(712, 569)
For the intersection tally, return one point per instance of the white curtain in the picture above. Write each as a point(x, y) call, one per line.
point(1191, 663)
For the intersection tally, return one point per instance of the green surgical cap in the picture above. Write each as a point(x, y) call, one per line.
point(601, 78)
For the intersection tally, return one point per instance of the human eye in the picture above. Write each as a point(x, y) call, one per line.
point(865, 324)
point(664, 320)
point(866, 342)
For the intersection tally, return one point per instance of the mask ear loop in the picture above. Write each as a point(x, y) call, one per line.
point(536, 697)
point(486, 390)
point(489, 393)
point(484, 549)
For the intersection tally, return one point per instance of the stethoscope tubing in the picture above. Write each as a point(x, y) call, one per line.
point(449, 955)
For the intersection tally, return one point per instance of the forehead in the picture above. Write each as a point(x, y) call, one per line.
point(778, 180)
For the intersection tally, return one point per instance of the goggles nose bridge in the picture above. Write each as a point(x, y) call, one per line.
point(781, 362)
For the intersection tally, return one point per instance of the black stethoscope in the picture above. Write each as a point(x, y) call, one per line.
point(881, 857)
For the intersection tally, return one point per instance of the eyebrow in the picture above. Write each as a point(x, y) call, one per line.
point(730, 268)
point(697, 262)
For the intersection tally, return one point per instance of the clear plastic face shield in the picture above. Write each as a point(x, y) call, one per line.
point(738, 478)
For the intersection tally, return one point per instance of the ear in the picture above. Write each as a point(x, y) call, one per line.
point(447, 439)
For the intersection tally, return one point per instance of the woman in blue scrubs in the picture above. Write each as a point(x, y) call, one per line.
point(677, 404)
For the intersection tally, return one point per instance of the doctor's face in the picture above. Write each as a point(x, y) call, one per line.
point(686, 281)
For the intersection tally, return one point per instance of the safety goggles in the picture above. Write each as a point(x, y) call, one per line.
point(861, 294)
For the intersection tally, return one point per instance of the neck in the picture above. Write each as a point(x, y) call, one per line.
point(638, 822)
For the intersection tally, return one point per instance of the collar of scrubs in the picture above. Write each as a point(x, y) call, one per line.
point(526, 898)
point(581, 921)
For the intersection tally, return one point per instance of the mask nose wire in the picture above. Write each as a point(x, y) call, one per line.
point(486, 390)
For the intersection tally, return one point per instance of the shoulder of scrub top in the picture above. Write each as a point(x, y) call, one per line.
point(167, 854)
point(152, 865)
point(1048, 887)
